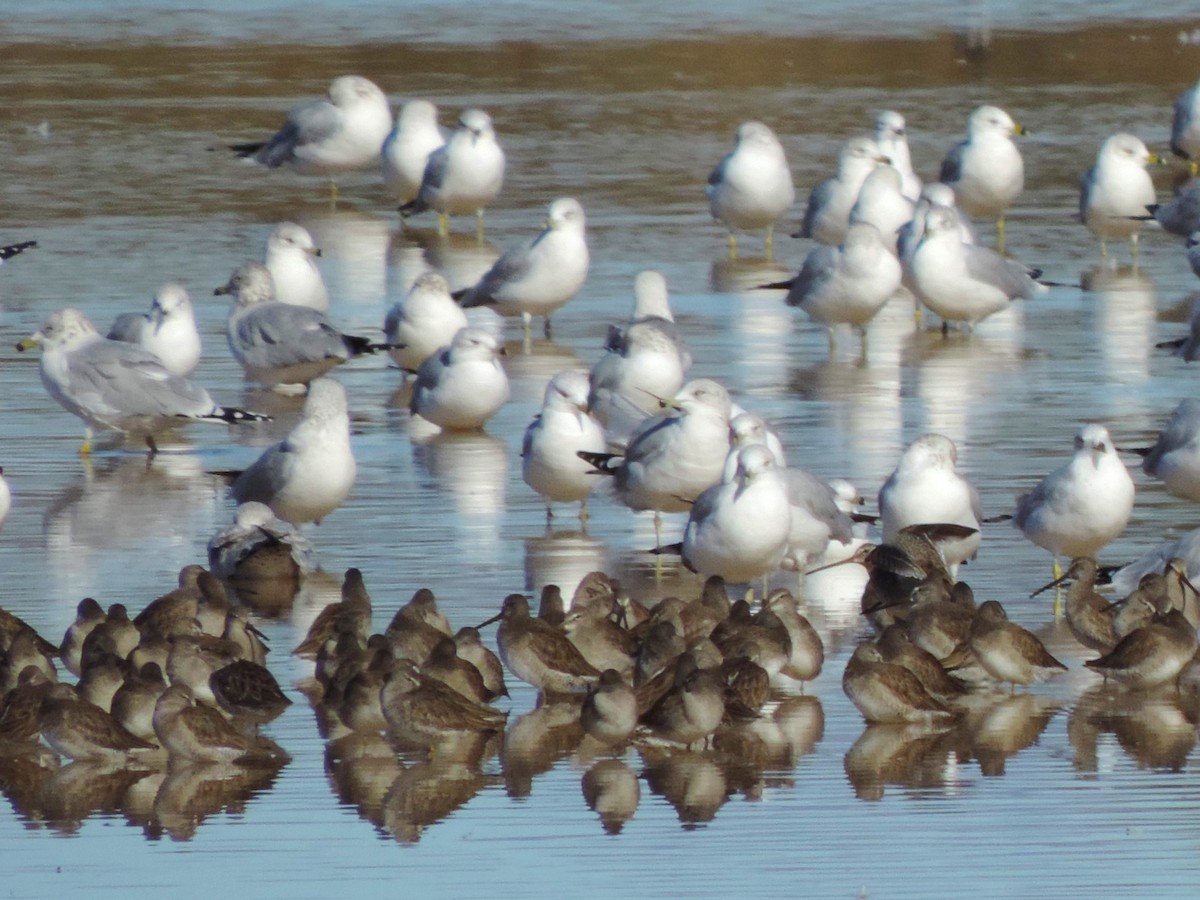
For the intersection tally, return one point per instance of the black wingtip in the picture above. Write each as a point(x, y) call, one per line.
point(11, 250)
point(775, 286)
point(600, 462)
point(247, 150)
point(235, 416)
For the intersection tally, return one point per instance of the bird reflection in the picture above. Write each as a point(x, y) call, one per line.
point(1126, 306)
point(999, 727)
point(530, 364)
point(1156, 728)
point(361, 768)
point(692, 782)
point(536, 740)
point(85, 788)
point(562, 558)
point(906, 756)
point(23, 775)
point(190, 794)
point(426, 792)
point(744, 274)
point(472, 467)
point(462, 258)
point(611, 790)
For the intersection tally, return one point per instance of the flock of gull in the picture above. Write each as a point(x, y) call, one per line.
point(185, 680)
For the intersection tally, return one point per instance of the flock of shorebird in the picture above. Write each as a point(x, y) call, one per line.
point(187, 675)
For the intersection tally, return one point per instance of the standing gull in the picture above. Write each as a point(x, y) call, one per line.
point(751, 187)
point(550, 461)
point(1117, 190)
point(1083, 505)
point(739, 529)
point(309, 474)
point(278, 343)
point(290, 257)
point(341, 133)
point(986, 170)
point(424, 322)
point(963, 282)
point(168, 330)
point(463, 385)
point(828, 213)
point(926, 489)
point(539, 276)
point(464, 175)
point(1185, 128)
point(847, 284)
point(110, 384)
point(891, 136)
point(406, 150)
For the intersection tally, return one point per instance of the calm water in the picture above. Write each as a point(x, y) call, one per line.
point(110, 120)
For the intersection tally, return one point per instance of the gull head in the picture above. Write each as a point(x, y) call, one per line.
point(64, 328)
point(290, 237)
point(476, 122)
point(1093, 441)
point(565, 212)
point(251, 283)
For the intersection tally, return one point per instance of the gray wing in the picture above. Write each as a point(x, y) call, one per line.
point(266, 476)
point(509, 269)
point(127, 327)
point(428, 375)
point(811, 493)
point(1181, 121)
point(990, 267)
point(817, 269)
point(527, 441)
point(951, 169)
point(307, 124)
point(116, 380)
point(817, 200)
point(435, 171)
point(279, 334)
point(1180, 429)
point(1182, 215)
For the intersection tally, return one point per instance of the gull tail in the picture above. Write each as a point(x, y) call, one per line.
point(1171, 345)
point(675, 549)
point(11, 250)
point(231, 415)
point(601, 462)
point(245, 151)
point(412, 208)
point(1140, 451)
point(775, 286)
point(361, 346)
point(992, 520)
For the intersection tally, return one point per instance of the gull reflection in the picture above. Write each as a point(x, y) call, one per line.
point(462, 258)
point(101, 525)
point(1126, 304)
point(471, 467)
point(562, 558)
point(354, 250)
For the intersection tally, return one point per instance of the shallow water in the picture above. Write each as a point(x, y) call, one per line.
point(111, 144)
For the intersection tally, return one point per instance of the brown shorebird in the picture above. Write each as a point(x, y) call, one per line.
point(808, 651)
point(117, 628)
point(102, 678)
point(603, 643)
point(77, 729)
point(20, 706)
point(357, 699)
point(88, 614)
point(658, 651)
point(1154, 654)
point(245, 688)
point(609, 713)
point(163, 615)
point(897, 648)
point(1138, 609)
point(423, 711)
point(691, 711)
point(416, 627)
point(194, 732)
point(888, 693)
point(12, 625)
point(1006, 651)
point(537, 653)
point(25, 650)
point(444, 665)
point(551, 608)
point(747, 687)
point(1089, 616)
point(471, 648)
point(352, 613)
point(1184, 595)
point(133, 703)
point(761, 638)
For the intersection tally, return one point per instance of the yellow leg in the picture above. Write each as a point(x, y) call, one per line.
point(333, 194)
point(732, 245)
point(1000, 235)
point(770, 242)
point(443, 224)
point(479, 224)
point(85, 448)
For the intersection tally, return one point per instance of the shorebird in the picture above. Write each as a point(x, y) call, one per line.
point(1152, 655)
point(888, 693)
point(538, 653)
point(690, 711)
point(195, 732)
point(609, 713)
point(1089, 616)
point(1006, 651)
point(352, 614)
point(424, 711)
point(77, 729)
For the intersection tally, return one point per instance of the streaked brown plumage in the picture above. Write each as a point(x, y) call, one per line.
point(77, 729)
point(1154, 654)
point(537, 653)
point(417, 627)
point(609, 712)
point(245, 688)
point(1006, 651)
point(471, 648)
point(445, 666)
point(352, 613)
point(191, 731)
point(887, 693)
point(691, 711)
point(88, 614)
point(423, 711)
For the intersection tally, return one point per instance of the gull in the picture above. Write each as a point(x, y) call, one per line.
point(674, 456)
point(738, 529)
point(751, 187)
point(110, 384)
point(256, 534)
point(746, 428)
point(278, 343)
point(539, 276)
point(986, 170)
point(828, 213)
point(1083, 505)
point(464, 175)
point(406, 150)
point(1117, 190)
point(1181, 214)
point(1185, 550)
point(550, 461)
point(925, 489)
point(882, 203)
point(891, 136)
point(909, 237)
point(290, 258)
point(644, 360)
point(8, 251)
point(341, 133)
point(963, 282)
point(1175, 457)
point(1185, 127)
point(309, 473)
point(168, 330)
point(847, 284)
point(463, 385)
point(424, 322)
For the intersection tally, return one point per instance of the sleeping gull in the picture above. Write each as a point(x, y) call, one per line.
point(827, 215)
point(1175, 456)
point(424, 322)
point(891, 136)
point(1185, 127)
